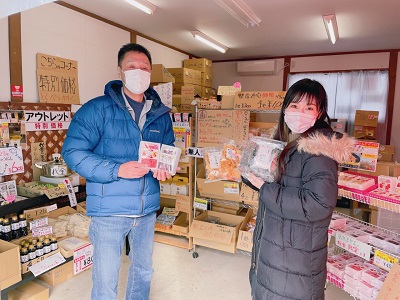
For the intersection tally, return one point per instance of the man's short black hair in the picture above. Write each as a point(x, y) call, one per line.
point(131, 47)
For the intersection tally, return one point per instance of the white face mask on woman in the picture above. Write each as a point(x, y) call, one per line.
point(299, 122)
point(137, 81)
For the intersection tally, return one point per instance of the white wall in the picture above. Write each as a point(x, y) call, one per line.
point(56, 30)
point(4, 62)
point(163, 55)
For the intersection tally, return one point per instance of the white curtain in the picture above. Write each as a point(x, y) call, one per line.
point(351, 91)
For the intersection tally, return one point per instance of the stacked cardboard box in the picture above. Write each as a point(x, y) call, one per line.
point(204, 66)
point(365, 123)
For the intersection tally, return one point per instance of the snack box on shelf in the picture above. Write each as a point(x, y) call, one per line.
point(357, 182)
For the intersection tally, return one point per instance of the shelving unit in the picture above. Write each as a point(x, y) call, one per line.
point(170, 236)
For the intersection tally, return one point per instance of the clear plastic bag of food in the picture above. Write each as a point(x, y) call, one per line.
point(212, 161)
point(260, 156)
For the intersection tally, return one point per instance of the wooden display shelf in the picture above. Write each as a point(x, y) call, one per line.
point(174, 240)
point(168, 196)
point(171, 231)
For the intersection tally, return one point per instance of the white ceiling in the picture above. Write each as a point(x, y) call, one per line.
point(288, 27)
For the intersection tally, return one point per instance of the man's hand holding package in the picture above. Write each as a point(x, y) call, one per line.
point(132, 169)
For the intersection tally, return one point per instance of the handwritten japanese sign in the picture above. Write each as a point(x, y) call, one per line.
point(228, 90)
point(57, 79)
point(83, 258)
point(215, 125)
point(353, 245)
point(11, 161)
point(46, 120)
point(259, 100)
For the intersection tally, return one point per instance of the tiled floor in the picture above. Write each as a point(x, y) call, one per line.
point(213, 275)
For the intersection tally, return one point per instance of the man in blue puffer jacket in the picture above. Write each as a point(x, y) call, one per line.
point(102, 145)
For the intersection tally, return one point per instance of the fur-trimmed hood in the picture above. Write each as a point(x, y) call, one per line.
point(335, 146)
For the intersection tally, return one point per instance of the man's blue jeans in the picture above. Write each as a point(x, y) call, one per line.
point(107, 235)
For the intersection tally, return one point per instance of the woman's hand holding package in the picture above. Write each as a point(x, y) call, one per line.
point(256, 181)
point(132, 169)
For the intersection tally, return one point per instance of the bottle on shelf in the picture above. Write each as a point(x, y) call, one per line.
point(23, 225)
point(24, 255)
point(46, 246)
point(15, 232)
point(32, 252)
point(39, 249)
point(53, 244)
point(7, 230)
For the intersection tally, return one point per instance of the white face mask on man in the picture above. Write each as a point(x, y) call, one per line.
point(137, 81)
point(299, 122)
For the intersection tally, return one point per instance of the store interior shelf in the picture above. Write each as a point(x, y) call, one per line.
point(226, 202)
point(369, 199)
point(172, 240)
point(373, 247)
point(171, 231)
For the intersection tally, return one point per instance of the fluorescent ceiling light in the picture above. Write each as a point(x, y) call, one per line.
point(240, 11)
point(143, 5)
point(331, 27)
point(209, 41)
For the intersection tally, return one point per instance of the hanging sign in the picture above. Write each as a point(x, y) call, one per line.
point(46, 120)
point(353, 245)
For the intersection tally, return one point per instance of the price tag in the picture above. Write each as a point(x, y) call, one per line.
point(38, 223)
point(47, 264)
point(83, 258)
point(51, 207)
point(40, 231)
point(71, 193)
point(353, 245)
point(200, 203)
point(384, 261)
point(231, 188)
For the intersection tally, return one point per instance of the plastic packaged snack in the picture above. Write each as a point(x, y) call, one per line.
point(148, 153)
point(222, 162)
point(169, 158)
point(259, 156)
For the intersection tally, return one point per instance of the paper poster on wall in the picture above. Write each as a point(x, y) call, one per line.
point(364, 157)
point(57, 79)
point(265, 100)
point(11, 161)
point(164, 90)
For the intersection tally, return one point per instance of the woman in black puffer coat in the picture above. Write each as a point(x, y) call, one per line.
point(290, 241)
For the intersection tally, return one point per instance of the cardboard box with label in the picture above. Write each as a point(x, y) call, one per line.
point(221, 235)
point(225, 190)
point(159, 74)
point(245, 238)
point(182, 75)
point(248, 195)
point(199, 64)
point(367, 118)
point(386, 153)
point(29, 291)
point(206, 79)
point(59, 275)
point(10, 270)
point(181, 223)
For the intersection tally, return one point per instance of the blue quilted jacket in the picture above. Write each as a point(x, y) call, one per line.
point(103, 135)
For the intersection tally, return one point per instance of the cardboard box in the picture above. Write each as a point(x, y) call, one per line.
point(59, 275)
point(227, 101)
point(225, 210)
point(248, 195)
point(182, 75)
point(159, 74)
point(181, 223)
point(367, 118)
point(81, 207)
point(199, 64)
point(66, 210)
point(206, 79)
point(29, 291)
point(207, 92)
point(364, 132)
point(216, 236)
point(225, 190)
point(25, 266)
point(183, 203)
point(386, 153)
point(68, 245)
point(245, 238)
point(10, 271)
point(196, 76)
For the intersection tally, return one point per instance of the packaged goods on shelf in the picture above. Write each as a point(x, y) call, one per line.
point(180, 185)
point(165, 221)
point(165, 186)
point(356, 181)
point(169, 158)
point(387, 183)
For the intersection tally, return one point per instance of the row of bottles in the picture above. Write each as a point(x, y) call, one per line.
point(37, 247)
point(14, 228)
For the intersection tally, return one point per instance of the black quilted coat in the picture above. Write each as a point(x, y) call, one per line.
point(290, 240)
